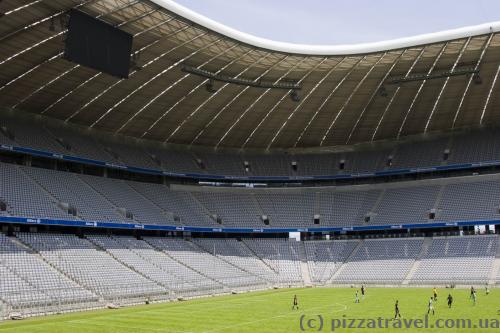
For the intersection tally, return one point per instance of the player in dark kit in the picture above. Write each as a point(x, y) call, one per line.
point(362, 292)
point(472, 292)
point(295, 303)
point(450, 300)
point(396, 310)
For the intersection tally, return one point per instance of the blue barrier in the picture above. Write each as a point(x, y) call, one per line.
point(132, 226)
point(199, 176)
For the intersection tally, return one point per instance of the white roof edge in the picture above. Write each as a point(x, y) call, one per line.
point(346, 49)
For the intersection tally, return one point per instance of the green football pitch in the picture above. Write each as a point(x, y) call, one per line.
point(270, 311)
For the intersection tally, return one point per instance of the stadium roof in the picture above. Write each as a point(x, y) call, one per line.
point(349, 93)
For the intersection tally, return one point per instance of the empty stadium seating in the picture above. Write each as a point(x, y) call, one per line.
point(457, 260)
point(41, 193)
point(417, 152)
point(380, 261)
point(56, 272)
point(32, 284)
point(95, 270)
point(325, 258)
point(52, 272)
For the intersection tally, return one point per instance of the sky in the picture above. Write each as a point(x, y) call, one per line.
point(332, 22)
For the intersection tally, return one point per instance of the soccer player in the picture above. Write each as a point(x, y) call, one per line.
point(487, 290)
point(435, 293)
point(474, 297)
point(396, 310)
point(357, 297)
point(431, 307)
point(472, 292)
point(450, 300)
point(295, 303)
point(362, 292)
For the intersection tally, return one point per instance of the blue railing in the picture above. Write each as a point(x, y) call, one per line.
point(208, 177)
point(135, 226)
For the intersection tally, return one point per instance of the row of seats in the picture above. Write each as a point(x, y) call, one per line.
point(473, 146)
point(324, 258)
point(448, 260)
point(381, 261)
point(49, 272)
point(41, 193)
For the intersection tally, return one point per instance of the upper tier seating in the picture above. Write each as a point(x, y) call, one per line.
point(123, 196)
point(23, 197)
point(68, 187)
point(41, 193)
point(463, 147)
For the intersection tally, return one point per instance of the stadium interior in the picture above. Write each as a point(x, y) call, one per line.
point(188, 177)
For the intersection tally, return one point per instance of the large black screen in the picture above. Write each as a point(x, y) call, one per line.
point(97, 44)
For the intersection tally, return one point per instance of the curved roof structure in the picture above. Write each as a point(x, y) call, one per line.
point(349, 93)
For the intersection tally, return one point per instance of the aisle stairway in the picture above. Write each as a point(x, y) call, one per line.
point(304, 267)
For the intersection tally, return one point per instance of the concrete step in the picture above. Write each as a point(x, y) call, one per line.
point(304, 266)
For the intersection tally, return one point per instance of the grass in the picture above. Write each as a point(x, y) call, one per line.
point(270, 311)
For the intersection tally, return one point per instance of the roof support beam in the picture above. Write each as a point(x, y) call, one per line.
point(436, 60)
point(181, 79)
point(173, 85)
point(92, 100)
point(161, 73)
point(372, 97)
point(200, 133)
point(434, 107)
point(77, 66)
point(173, 106)
point(478, 63)
point(255, 101)
point(271, 110)
point(327, 99)
point(38, 22)
point(348, 100)
point(99, 74)
point(487, 101)
point(23, 51)
point(45, 85)
point(32, 69)
point(304, 98)
point(45, 40)
point(22, 7)
point(50, 59)
point(395, 94)
point(213, 95)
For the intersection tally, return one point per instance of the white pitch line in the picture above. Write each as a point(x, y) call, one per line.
point(78, 323)
point(182, 305)
point(276, 316)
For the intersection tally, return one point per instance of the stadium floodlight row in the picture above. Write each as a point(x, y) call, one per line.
point(46, 273)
